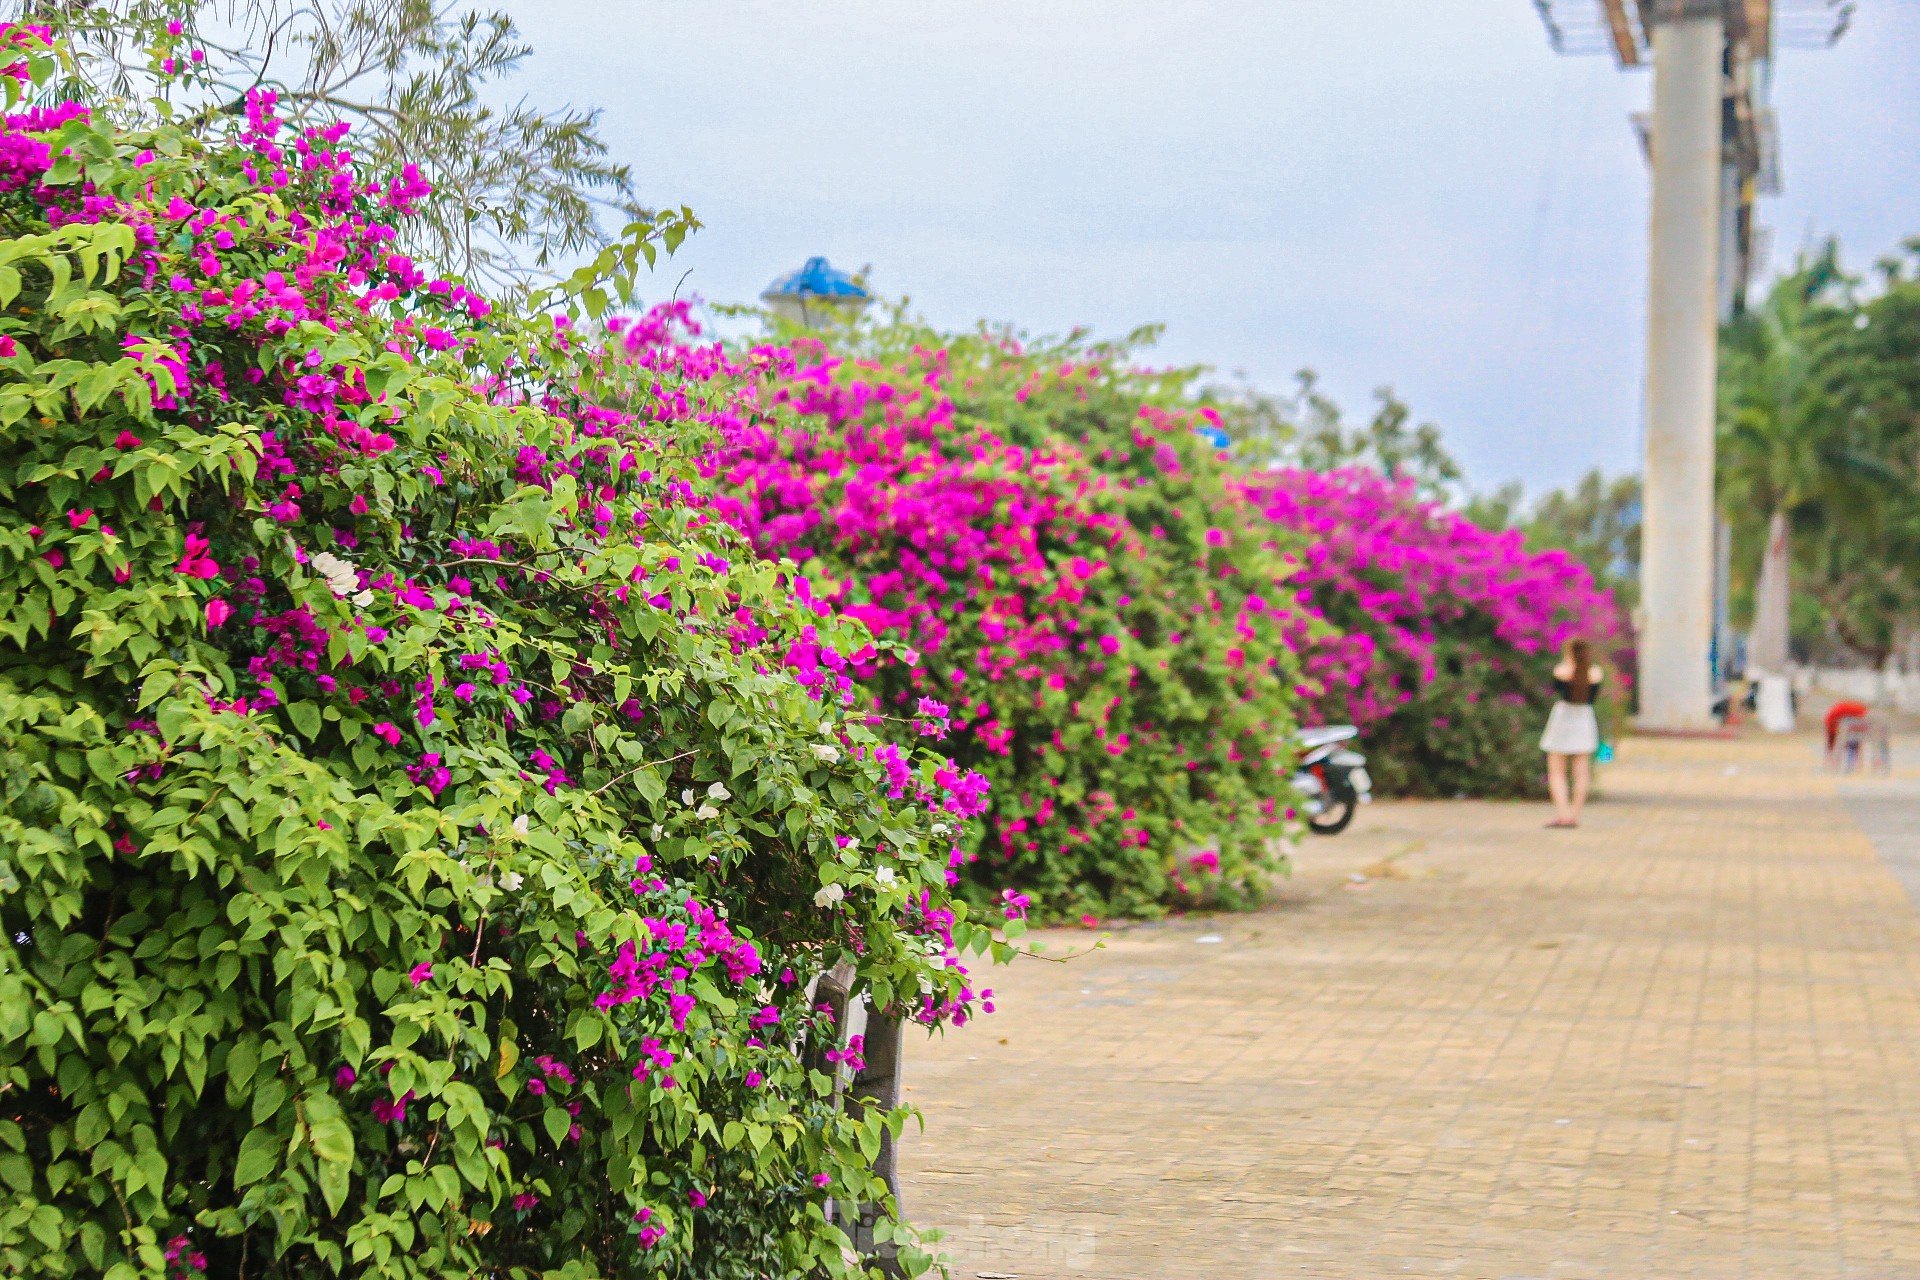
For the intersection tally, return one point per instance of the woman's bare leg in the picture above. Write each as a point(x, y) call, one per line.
point(1582, 783)
point(1557, 785)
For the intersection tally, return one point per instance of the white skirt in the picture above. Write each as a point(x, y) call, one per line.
point(1571, 731)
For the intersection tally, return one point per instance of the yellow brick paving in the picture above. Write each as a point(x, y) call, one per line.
point(1683, 1040)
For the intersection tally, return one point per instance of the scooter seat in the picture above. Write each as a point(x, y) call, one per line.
point(1321, 736)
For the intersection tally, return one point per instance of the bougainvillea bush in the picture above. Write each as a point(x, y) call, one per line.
point(1093, 621)
point(1444, 633)
point(419, 821)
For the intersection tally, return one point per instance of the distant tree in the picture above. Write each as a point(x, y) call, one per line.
point(1503, 508)
point(1309, 429)
point(1780, 452)
point(1598, 522)
point(1262, 425)
point(1864, 597)
point(519, 190)
point(1861, 558)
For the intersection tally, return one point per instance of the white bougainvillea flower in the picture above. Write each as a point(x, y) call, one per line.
point(829, 894)
point(826, 752)
point(521, 826)
point(342, 578)
point(707, 812)
point(884, 877)
point(719, 791)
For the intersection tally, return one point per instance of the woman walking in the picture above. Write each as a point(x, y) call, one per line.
point(1573, 732)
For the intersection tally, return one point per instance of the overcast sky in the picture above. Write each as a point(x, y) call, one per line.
point(1413, 192)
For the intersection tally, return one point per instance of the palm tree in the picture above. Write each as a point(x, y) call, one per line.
point(1861, 570)
point(1779, 451)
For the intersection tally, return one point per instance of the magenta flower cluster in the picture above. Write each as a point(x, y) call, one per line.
point(1398, 577)
point(1042, 615)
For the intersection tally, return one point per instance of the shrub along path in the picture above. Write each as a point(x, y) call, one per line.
point(1683, 1040)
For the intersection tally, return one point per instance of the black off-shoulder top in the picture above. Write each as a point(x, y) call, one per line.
point(1564, 689)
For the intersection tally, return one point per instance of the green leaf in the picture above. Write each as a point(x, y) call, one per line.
point(17, 1172)
point(260, 1154)
point(587, 1031)
point(268, 1097)
point(335, 1180)
point(306, 718)
point(328, 1130)
point(557, 1122)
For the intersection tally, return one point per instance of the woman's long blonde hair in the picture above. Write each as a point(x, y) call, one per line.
point(1578, 654)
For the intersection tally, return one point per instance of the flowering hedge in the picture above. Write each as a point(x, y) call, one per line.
point(1445, 633)
point(1092, 621)
point(418, 819)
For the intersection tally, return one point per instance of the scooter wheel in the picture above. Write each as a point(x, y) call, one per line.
point(1333, 819)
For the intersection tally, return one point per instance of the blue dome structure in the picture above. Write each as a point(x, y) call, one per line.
point(816, 291)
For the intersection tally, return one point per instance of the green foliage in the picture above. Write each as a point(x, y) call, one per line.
point(518, 189)
point(1857, 567)
point(1471, 731)
point(1816, 413)
point(360, 719)
point(1597, 521)
point(1309, 429)
point(1498, 509)
point(1778, 448)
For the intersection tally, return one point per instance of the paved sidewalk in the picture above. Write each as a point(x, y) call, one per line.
point(1888, 810)
point(1683, 1041)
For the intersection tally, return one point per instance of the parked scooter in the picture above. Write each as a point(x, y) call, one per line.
point(1332, 780)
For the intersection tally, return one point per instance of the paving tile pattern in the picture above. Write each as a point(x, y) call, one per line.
point(1888, 810)
point(1682, 1041)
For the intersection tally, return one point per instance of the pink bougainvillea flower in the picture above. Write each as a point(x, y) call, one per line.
point(391, 1110)
point(195, 562)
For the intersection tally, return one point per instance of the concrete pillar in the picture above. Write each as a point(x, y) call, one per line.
point(1677, 551)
